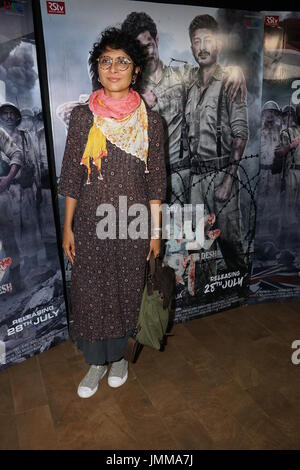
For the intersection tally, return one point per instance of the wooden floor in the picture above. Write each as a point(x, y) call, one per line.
point(224, 382)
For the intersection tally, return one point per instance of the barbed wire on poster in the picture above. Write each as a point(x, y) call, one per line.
point(201, 272)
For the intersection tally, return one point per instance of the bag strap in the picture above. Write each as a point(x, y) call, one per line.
point(151, 264)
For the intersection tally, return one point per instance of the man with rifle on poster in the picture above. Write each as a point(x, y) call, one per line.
point(10, 164)
point(218, 135)
point(23, 187)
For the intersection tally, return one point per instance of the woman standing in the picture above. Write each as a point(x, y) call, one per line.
point(114, 156)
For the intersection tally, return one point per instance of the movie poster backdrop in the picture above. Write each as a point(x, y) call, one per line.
point(276, 264)
point(32, 307)
point(212, 142)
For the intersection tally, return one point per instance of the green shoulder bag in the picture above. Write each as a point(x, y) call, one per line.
point(155, 308)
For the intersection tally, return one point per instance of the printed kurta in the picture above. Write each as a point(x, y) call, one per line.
point(108, 274)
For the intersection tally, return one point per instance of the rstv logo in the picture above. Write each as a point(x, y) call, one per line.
point(4, 265)
point(56, 8)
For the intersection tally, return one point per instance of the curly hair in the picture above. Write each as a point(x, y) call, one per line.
point(116, 38)
point(203, 22)
point(136, 23)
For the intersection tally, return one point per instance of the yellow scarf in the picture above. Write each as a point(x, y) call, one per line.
point(129, 134)
point(95, 149)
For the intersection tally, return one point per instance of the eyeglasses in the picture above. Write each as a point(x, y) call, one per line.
point(121, 63)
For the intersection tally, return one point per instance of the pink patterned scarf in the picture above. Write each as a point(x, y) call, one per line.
point(123, 122)
point(105, 106)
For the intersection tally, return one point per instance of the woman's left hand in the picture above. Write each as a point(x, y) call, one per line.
point(155, 245)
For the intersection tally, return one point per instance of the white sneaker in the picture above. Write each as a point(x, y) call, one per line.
point(118, 373)
point(89, 384)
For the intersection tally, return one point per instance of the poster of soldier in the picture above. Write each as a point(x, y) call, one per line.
point(276, 263)
point(204, 77)
point(32, 307)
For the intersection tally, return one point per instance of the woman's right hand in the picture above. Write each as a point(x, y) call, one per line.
point(69, 244)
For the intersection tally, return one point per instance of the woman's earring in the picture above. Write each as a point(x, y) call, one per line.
point(133, 80)
point(99, 80)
